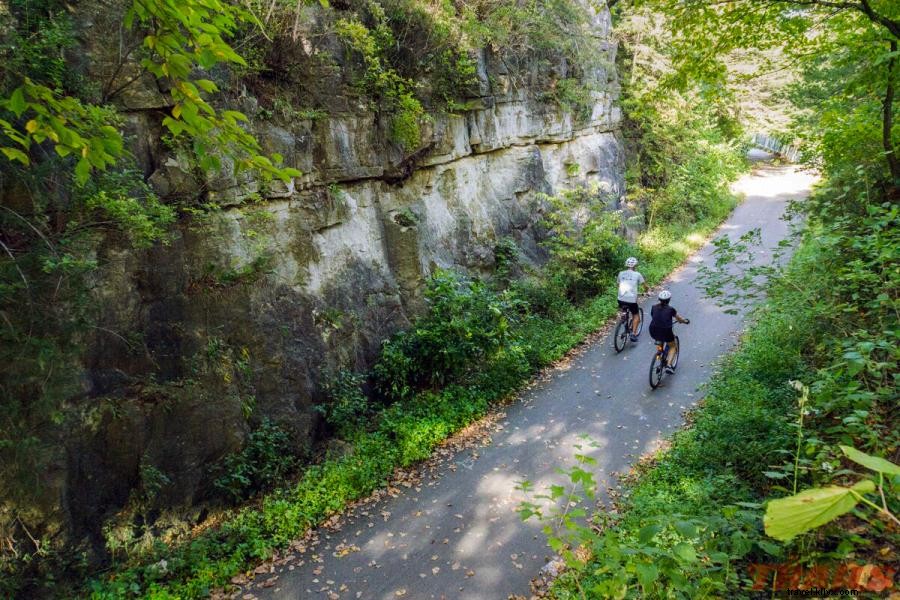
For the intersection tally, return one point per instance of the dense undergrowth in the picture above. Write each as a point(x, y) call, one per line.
point(692, 522)
point(817, 374)
point(477, 344)
point(71, 187)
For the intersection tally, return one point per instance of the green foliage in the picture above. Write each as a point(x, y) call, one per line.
point(467, 323)
point(180, 39)
point(393, 93)
point(824, 321)
point(585, 244)
point(680, 139)
point(842, 52)
point(551, 31)
point(407, 430)
point(74, 128)
point(122, 197)
point(507, 259)
point(36, 35)
point(406, 218)
point(574, 95)
point(669, 555)
point(262, 463)
point(433, 47)
point(698, 186)
point(347, 409)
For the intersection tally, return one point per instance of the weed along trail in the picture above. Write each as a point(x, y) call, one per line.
point(453, 532)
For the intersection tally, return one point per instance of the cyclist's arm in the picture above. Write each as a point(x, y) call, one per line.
point(680, 319)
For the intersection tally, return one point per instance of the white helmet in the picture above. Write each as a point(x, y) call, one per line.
point(631, 262)
point(665, 295)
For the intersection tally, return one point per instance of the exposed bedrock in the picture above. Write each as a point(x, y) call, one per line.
point(240, 316)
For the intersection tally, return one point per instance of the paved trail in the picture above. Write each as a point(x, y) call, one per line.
point(456, 535)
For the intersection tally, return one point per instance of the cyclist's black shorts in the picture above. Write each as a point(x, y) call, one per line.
point(662, 334)
point(631, 306)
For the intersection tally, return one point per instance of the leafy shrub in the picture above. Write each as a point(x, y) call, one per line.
point(585, 246)
point(507, 259)
point(544, 297)
point(698, 187)
point(348, 407)
point(393, 92)
point(401, 434)
point(466, 323)
point(264, 461)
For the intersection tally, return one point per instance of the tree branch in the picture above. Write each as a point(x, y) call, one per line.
point(863, 6)
point(887, 121)
point(890, 24)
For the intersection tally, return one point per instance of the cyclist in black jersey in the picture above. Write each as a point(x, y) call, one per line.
point(662, 319)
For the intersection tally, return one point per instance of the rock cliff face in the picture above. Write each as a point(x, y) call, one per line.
point(240, 316)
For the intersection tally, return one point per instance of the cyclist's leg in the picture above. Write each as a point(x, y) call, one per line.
point(633, 322)
point(673, 349)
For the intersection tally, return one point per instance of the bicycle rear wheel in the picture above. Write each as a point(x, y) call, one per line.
point(677, 352)
point(620, 335)
point(656, 370)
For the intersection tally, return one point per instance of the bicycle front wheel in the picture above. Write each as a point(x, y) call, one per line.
point(677, 352)
point(656, 370)
point(640, 321)
point(620, 335)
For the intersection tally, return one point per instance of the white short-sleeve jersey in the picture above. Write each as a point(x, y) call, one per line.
point(628, 285)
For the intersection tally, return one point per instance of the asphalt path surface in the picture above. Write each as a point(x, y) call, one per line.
point(456, 534)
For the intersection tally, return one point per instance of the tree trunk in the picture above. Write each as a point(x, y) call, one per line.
point(887, 121)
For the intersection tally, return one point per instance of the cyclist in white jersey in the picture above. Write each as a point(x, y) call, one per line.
point(630, 282)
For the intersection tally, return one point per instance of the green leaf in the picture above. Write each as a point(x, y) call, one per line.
point(685, 552)
point(206, 85)
point(686, 529)
point(875, 463)
point(82, 171)
point(648, 533)
point(769, 548)
point(15, 154)
point(788, 517)
point(646, 574)
point(16, 102)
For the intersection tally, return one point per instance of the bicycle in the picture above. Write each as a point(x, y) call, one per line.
point(658, 362)
point(623, 329)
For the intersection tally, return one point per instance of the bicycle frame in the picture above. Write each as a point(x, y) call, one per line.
point(660, 362)
point(623, 329)
point(662, 350)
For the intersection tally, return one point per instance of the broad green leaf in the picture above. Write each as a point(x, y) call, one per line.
point(769, 548)
point(686, 529)
point(16, 102)
point(206, 85)
point(874, 463)
point(685, 552)
point(82, 171)
point(648, 533)
point(647, 574)
point(788, 517)
point(15, 154)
